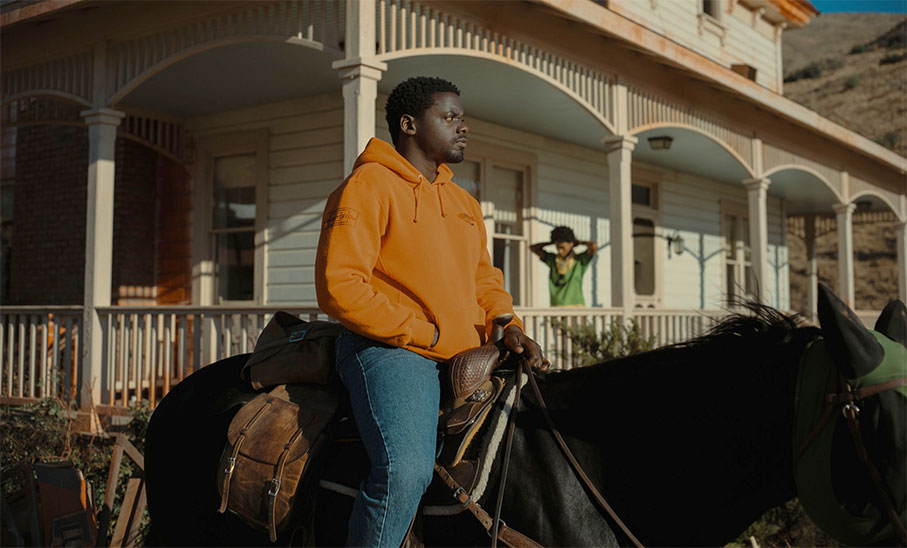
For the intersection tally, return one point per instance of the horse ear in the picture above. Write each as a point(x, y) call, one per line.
point(892, 322)
point(851, 345)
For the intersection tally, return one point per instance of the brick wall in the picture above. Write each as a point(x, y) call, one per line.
point(174, 267)
point(151, 221)
point(47, 261)
point(134, 224)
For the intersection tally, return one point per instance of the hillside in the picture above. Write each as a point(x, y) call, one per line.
point(851, 68)
point(858, 79)
point(832, 35)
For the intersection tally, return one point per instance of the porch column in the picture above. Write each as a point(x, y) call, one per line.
point(360, 73)
point(102, 132)
point(620, 155)
point(844, 213)
point(756, 198)
point(812, 269)
point(901, 230)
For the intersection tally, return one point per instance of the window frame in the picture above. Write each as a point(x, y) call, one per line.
point(204, 284)
point(741, 213)
point(652, 212)
point(488, 157)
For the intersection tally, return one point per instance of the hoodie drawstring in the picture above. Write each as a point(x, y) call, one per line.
point(440, 201)
point(417, 194)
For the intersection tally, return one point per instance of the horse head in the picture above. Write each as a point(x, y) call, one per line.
point(851, 432)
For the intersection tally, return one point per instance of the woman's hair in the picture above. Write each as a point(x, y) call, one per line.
point(562, 234)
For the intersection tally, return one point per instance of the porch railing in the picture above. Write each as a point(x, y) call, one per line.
point(148, 350)
point(41, 354)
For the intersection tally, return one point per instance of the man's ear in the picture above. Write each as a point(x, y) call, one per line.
point(408, 125)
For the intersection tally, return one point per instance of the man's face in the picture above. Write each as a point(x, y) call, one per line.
point(441, 130)
point(564, 248)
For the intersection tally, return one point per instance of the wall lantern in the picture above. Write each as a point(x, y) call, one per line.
point(660, 143)
point(675, 243)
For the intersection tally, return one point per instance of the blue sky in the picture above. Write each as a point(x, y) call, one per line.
point(855, 6)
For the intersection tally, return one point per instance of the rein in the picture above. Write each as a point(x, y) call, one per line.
point(847, 398)
point(496, 528)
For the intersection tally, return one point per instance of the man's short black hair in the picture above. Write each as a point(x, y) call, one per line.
point(562, 234)
point(413, 97)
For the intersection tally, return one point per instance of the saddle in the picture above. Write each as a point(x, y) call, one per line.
point(271, 439)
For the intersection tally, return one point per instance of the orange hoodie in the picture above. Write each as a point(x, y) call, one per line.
point(399, 254)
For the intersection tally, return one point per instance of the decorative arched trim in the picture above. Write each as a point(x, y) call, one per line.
point(161, 133)
point(880, 196)
point(46, 109)
point(736, 155)
point(67, 77)
point(583, 103)
point(127, 87)
point(811, 171)
point(48, 93)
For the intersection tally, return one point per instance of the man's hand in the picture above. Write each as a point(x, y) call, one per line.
point(519, 343)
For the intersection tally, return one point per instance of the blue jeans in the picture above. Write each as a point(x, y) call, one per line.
point(395, 397)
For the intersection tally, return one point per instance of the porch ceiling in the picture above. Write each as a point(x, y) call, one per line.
point(802, 192)
point(236, 76)
point(691, 152)
point(504, 95)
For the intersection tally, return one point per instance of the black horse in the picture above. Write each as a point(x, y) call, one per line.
point(689, 443)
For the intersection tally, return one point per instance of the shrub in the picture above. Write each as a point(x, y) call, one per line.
point(785, 525)
point(43, 432)
point(590, 346)
point(860, 48)
point(889, 140)
point(892, 58)
point(853, 81)
point(812, 70)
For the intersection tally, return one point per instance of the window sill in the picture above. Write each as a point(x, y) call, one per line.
point(712, 25)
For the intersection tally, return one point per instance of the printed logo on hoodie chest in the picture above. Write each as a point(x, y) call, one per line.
point(466, 218)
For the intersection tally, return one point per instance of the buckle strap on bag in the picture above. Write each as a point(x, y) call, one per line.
point(275, 485)
point(231, 462)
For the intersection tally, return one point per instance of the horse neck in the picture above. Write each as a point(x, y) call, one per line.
point(710, 422)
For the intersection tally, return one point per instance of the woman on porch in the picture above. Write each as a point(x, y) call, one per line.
point(565, 281)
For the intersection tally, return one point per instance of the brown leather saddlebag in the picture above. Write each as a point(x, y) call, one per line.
point(290, 350)
point(270, 442)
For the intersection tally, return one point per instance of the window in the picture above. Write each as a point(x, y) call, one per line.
point(711, 7)
point(644, 257)
point(647, 245)
point(710, 19)
point(738, 268)
point(233, 227)
point(501, 188)
point(229, 241)
point(506, 190)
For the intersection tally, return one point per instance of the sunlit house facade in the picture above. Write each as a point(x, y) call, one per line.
point(166, 164)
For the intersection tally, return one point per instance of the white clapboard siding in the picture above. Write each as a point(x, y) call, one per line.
point(305, 164)
point(691, 205)
point(743, 43)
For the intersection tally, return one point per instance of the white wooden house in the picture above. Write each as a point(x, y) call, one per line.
point(657, 128)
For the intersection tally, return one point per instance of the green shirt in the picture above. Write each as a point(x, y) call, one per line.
point(567, 290)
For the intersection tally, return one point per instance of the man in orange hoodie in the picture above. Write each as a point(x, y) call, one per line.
point(402, 263)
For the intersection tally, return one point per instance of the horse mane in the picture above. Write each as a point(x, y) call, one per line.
point(750, 330)
point(755, 323)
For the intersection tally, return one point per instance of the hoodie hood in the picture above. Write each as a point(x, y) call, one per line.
point(383, 153)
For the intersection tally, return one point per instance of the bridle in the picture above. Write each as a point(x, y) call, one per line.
point(841, 395)
point(496, 528)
